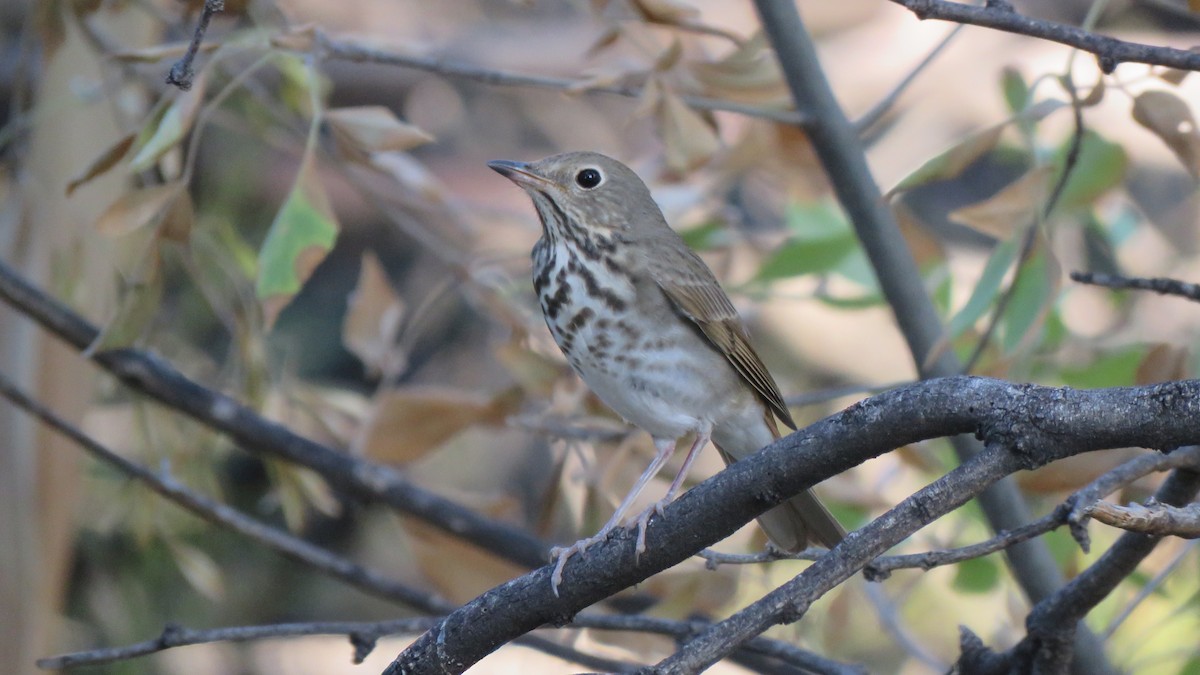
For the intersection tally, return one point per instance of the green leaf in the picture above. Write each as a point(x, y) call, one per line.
point(986, 290)
point(1100, 167)
point(167, 129)
point(704, 236)
point(1016, 91)
point(1115, 369)
point(299, 239)
point(953, 161)
point(977, 575)
point(805, 257)
point(816, 220)
point(1032, 293)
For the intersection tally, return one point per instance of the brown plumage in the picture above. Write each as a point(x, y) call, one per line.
point(647, 326)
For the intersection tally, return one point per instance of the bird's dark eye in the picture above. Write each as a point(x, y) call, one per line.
point(588, 178)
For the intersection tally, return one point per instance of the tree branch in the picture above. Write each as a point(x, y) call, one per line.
point(1110, 52)
point(181, 73)
point(837, 147)
point(1160, 285)
point(148, 374)
point(355, 52)
point(363, 636)
point(1026, 426)
point(1153, 518)
point(1048, 645)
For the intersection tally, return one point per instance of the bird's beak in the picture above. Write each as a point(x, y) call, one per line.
point(519, 173)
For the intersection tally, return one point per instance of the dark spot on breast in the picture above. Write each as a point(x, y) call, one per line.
point(580, 319)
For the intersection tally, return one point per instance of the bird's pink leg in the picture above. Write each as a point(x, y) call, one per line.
point(560, 554)
point(643, 518)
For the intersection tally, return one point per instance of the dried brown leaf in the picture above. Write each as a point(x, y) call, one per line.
point(367, 129)
point(297, 38)
point(107, 160)
point(952, 162)
point(374, 317)
point(179, 219)
point(408, 423)
point(156, 53)
point(1163, 363)
point(1170, 118)
point(137, 209)
point(1012, 207)
point(670, 12)
point(749, 74)
point(925, 247)
point(690, 139)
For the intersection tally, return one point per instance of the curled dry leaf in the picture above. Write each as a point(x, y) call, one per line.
point(297, 38)
point(952, 162)
point(107, 160)
point(1012, 207)
point(690, 139)
point(138, 208)
point(408, 423)
point(1163, 363)
point(669, 56)
point(167, 128)
point(925, 247)
point(749, 74)
point(373, 319)
point(363, 130)
point(156, 53)
point(1169, 117)
point(669, 12)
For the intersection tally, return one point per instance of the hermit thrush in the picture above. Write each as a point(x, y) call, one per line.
point(644, 322)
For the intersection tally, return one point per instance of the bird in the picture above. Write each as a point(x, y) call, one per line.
point(646, 325)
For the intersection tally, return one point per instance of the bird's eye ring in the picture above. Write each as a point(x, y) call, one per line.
point(588, 178)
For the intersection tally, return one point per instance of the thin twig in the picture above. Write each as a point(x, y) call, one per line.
point(1109, 51)
point(1150, 588)
point(1162, 286)
point(181, 73)
point(877, 111)
point(358, 53)
point(890, 618)
point(836, 144)
point(229, 518)
point(1160, 520)
point(881, 568)
point(363, 636)
point(150, 375)
point(1030, 236)
point(714, 559)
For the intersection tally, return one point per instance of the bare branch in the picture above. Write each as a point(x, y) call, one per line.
point(1160, 285)
point(836, 144)
point(347, 50)
point(1153, 518)
point(147, 373)
point(181, 73)
point(1110, 52)
point(225, 516)
point(881, 568)
point(1040, 424)
point(363, 636)
point(1052, 623)
point(714, 559)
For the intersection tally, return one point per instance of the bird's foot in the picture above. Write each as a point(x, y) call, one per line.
point(560, 555)
point(643, 520)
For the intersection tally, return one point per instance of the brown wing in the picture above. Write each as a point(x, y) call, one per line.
point(698, 296)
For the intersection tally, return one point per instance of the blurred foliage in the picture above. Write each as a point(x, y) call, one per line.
point(322, 240)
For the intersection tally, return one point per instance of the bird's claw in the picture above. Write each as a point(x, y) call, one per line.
point(560, 555)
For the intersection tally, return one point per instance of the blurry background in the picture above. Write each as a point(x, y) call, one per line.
point(416, 340)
